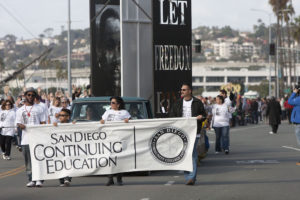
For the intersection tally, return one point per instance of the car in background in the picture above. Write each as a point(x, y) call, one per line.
point(92, 108)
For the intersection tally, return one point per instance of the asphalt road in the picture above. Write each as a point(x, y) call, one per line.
point(259, 166)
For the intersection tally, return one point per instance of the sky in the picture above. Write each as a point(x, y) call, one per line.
point(38, 15)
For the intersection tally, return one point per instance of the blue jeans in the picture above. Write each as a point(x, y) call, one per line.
point(297, 132)
point(254, 117)
point(192, 175)
point(222, 138)
point(26, 154)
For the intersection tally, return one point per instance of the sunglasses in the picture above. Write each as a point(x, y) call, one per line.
point(63, 115)
point(113, 102)
point(184, 90)
point(31, 95)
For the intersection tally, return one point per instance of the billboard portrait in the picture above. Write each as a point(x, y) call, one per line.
point(105, 48)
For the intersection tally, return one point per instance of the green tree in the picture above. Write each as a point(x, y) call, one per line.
point(296, 29)
point(260, 30)
point(21, 76)
point(61, 73)
point(2, 68)
point(48, 32)
point(262, 88)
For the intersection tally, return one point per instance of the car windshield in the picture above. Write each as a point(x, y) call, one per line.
point(93, 111)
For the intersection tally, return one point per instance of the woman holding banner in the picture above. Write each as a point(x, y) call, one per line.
point(116, 113)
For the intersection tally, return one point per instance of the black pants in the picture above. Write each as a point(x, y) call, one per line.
point(119, 177)
point(274, 128)
point(289, 111)
point(5, 142)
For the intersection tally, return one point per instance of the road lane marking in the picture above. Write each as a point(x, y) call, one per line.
point(12, 172)
point(250, 127)
point(287, 147)
point(239, 129)
point(176, 176)
point(145, 199)
point(249, 162)
point(169, 183)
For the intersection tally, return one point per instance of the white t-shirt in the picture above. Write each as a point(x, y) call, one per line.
point(187, 108)
point(29, 115)
point(221, 115)
point(228, 104)
point(52, 111)
point(7, 119)
point(115, 115)
point(227, 101)
point(45, 110)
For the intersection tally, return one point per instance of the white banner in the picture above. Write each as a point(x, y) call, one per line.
point(85, 149)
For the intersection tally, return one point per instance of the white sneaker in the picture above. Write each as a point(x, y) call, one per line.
point(30, 184)
point(271, 132)
point(3, 156)
point(39, 184)
point(8, 158)
point(67, 183)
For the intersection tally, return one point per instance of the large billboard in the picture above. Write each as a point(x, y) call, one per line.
point(172, 55)
point(105, 47)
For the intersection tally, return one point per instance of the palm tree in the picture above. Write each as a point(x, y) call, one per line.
point(287, 17)
point(278, 6)
point(296, 37)
point(296, 29)
point(61, 73)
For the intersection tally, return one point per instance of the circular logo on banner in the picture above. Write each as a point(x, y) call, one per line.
point(169, 144)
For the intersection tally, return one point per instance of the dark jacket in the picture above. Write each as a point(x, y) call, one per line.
point(274, 112)
point(254, 106)
point(197, 109)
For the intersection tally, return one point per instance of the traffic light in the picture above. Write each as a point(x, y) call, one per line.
point(272, 49)
point(198, 46)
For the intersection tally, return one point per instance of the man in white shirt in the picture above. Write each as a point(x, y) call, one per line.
point(29, 114)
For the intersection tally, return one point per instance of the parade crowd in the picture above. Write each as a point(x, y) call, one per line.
point(227, 110)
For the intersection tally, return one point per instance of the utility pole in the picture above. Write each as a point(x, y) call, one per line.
point(69, 50)
point(277, 53)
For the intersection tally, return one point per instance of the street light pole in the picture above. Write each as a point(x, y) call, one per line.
point(270, 67)
point(69, 50)
point(277, 68)
point(270, 41)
